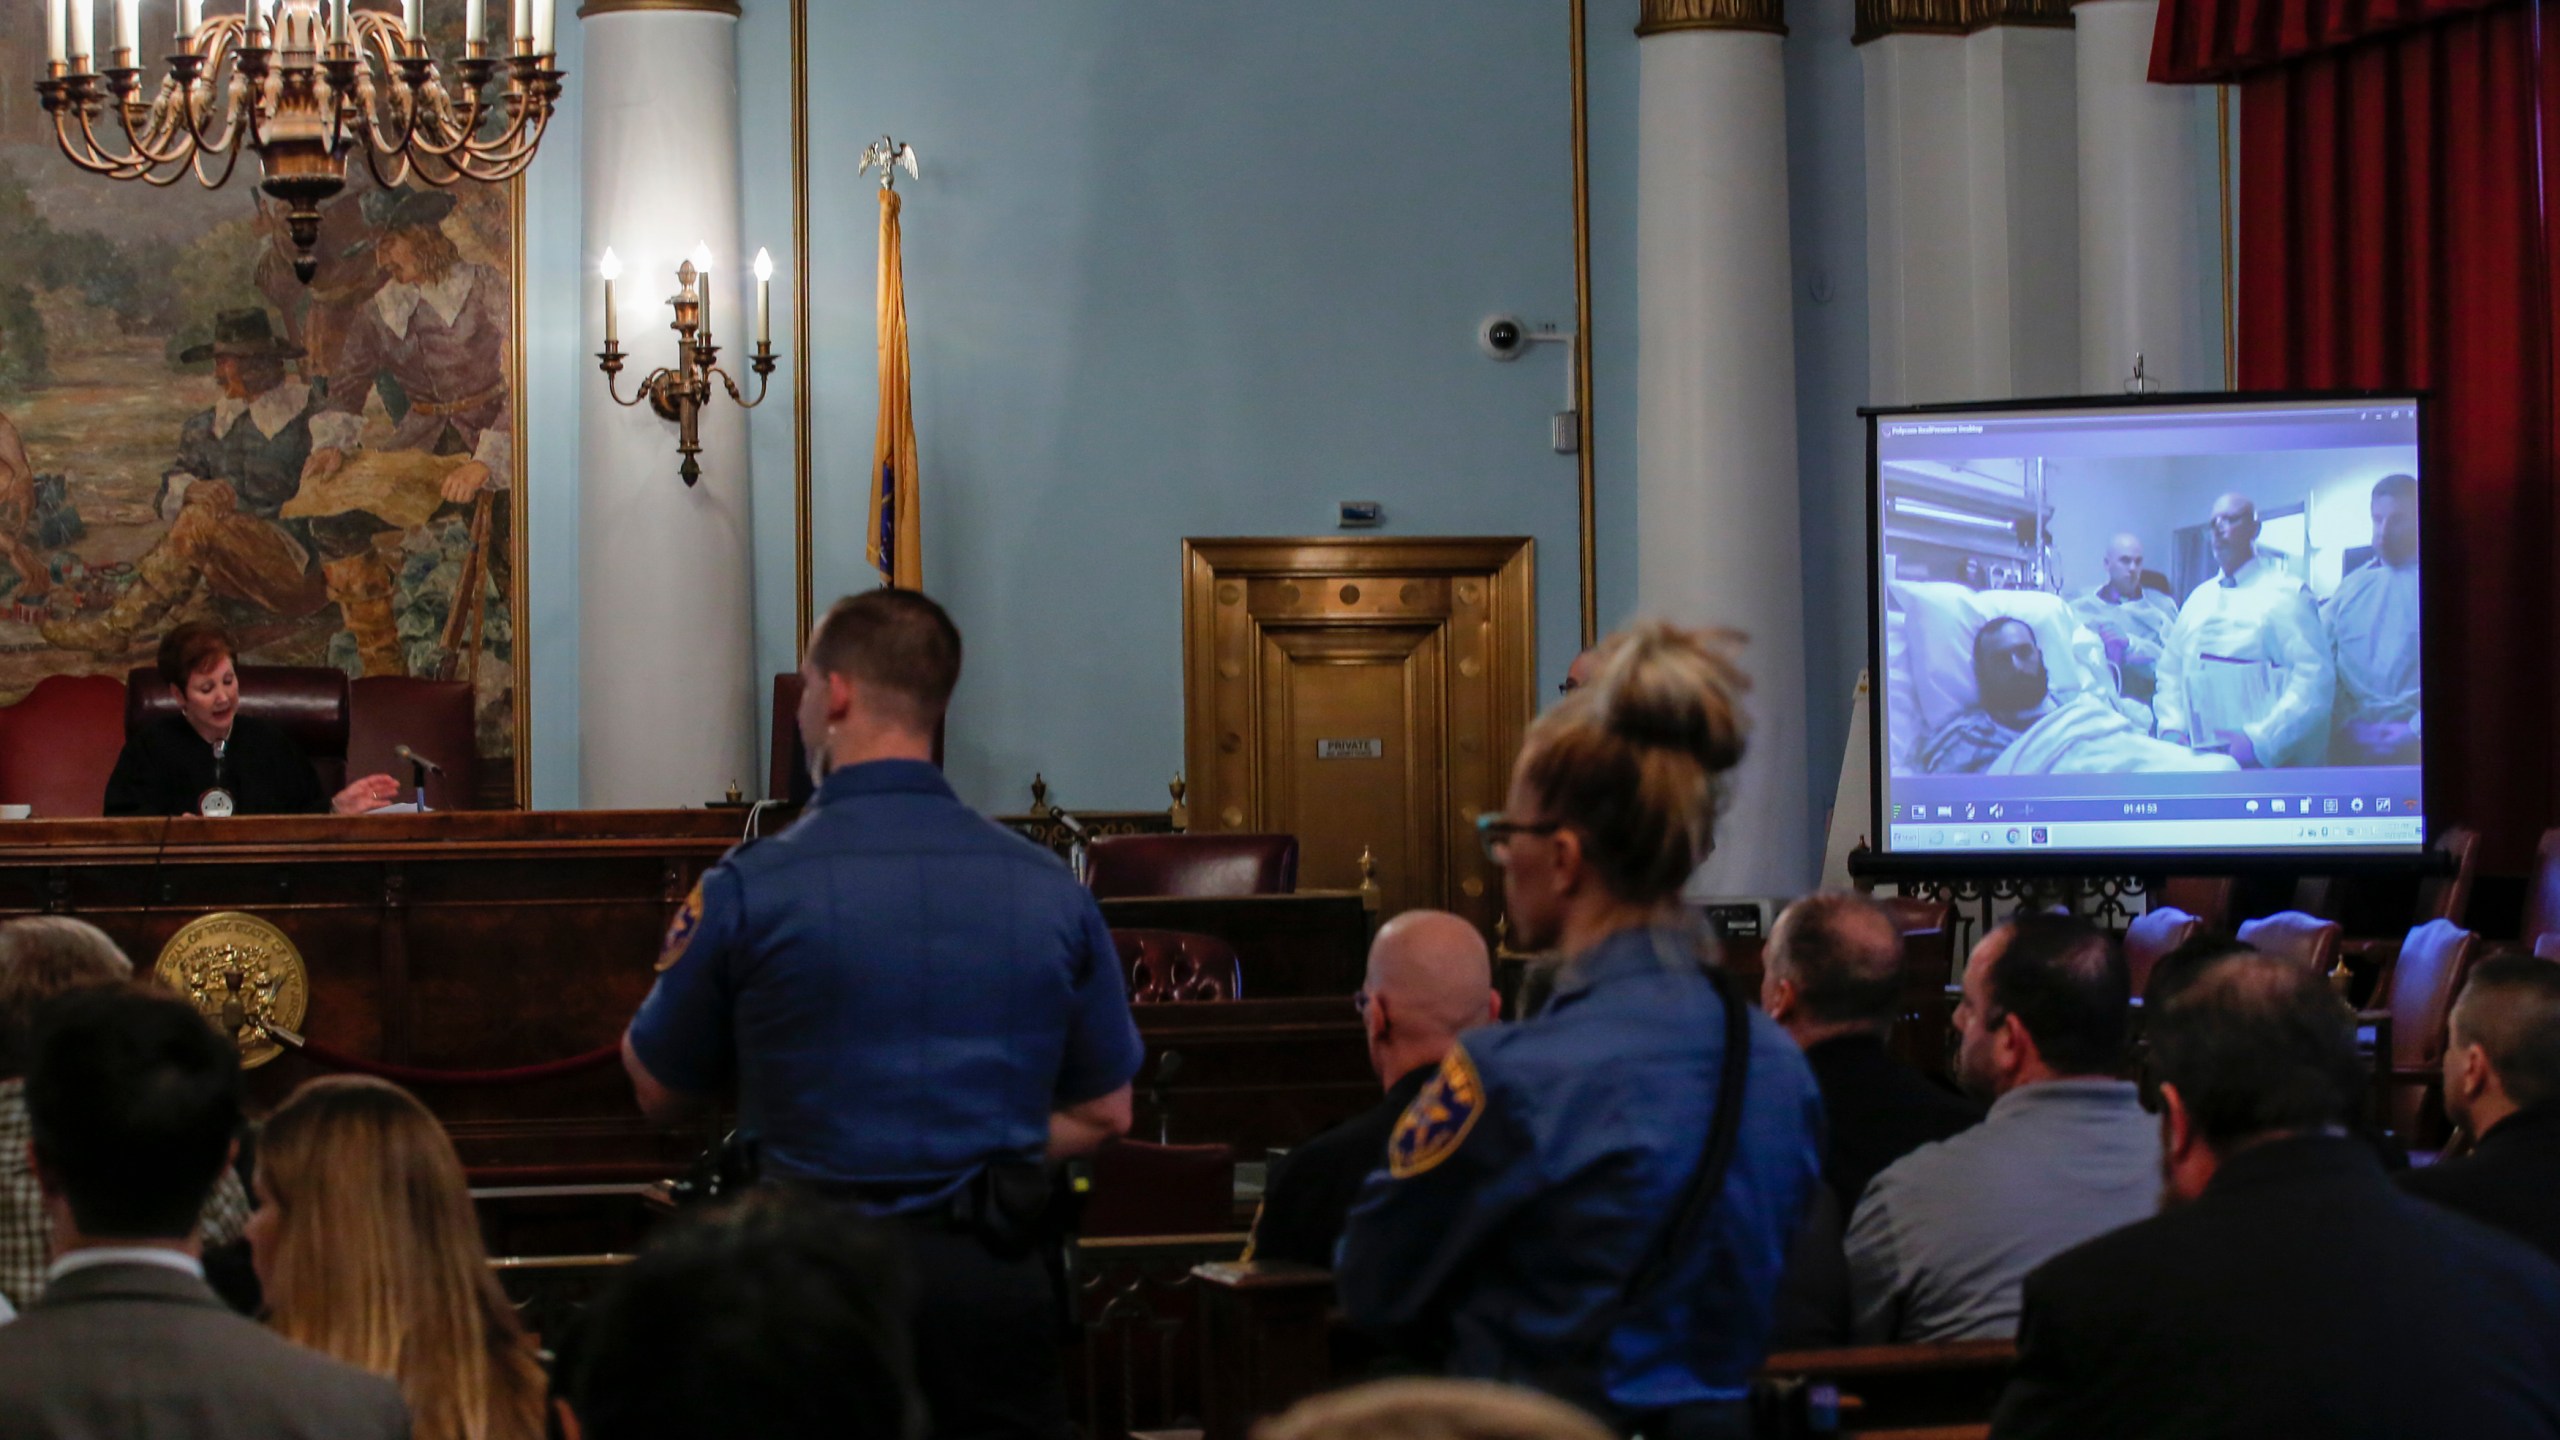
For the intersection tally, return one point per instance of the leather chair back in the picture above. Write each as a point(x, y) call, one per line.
point(307, 702)
point(1166, 966)
point(2547, 947)
point(2542, 897)
point(2435, 962)
point(1928, 941)
point(2304, 939)
point(59, 745)
point(436, 718)
point(1213, 865)
point(2207, 897)
point(2448, 897)
point(1145, 1189)
point(2152, 935)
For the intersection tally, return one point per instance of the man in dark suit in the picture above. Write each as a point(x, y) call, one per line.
point(132, 1101)
point(1429, 980)
point(1833, 979)
point(2502, 1085)
point(2286, 1288)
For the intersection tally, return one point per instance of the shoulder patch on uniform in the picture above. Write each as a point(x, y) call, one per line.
point(1437, 1122)
point(680, 929)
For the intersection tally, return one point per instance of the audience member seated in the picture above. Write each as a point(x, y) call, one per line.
point(1833, 980)
point(133, 1100)
point(2502, 1086)
point(779, 1318)
point(1429, 981)
point(1941, 1240)
point(42, 956)
point(2286, 1288)
point(1432, 1410)
point(369, 1253)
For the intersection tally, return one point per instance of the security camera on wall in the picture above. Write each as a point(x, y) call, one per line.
point(1504, 337)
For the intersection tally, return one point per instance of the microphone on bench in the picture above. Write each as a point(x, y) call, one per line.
point(420, 767)
point(414, 758)
point(1075, 845)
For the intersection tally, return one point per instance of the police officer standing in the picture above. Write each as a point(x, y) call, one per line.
point(917, 1010)
point(1598, 1201)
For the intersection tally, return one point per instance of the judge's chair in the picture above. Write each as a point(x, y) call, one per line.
point(1193, 866)
point(59, 745)
point(307, 702)
point(1171, 966)
point(438, 719)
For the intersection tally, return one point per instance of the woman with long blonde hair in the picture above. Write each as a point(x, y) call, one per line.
point(367, 1248)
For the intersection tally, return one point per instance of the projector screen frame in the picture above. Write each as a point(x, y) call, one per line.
point(1871, 861)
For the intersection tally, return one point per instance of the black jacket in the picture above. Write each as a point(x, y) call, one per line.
point(1880, 1110)
point(2301, 1295)
point(166, 767)
point(2511, 1181)
point(1312, 1187)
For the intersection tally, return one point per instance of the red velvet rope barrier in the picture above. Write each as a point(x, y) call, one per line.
point(412, 1075)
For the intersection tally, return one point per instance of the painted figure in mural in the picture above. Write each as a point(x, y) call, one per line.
point(317, 315)
point(433, 343)
point(238, 465)
point(18, 519)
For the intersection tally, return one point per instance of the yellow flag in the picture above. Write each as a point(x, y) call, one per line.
point(896, 545)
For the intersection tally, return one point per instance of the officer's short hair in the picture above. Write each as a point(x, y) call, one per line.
point(2511, 1009)
point(2066, 982)
point(1844, 954)
point(781, 1317)
point(898, 643)
point(2256, 1046)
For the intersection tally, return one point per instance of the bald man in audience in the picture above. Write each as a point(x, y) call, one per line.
point(1941, 1241)
point(1430, 980)
point(2502, 1086)
point(2286, 1288)
point(1832, 976)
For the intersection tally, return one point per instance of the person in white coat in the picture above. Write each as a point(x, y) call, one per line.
point(2373, 620)
point(2247, 669)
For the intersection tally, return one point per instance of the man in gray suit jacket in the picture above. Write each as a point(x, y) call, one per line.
point(132, 1100)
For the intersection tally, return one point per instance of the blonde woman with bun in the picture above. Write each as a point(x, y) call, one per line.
point(1562, 1206)
point(368, 1250)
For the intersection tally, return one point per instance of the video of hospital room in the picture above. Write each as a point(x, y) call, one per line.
point(2151, 651)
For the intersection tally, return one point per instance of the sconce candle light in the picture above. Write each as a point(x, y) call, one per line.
point(679, 393)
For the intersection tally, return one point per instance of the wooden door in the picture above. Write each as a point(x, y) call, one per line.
point(1364, 695)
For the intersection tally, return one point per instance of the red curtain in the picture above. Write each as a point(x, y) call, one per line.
point(2397, 169)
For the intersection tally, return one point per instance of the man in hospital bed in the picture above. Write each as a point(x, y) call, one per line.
point(2019, 728)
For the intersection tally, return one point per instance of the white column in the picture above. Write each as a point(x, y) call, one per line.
point(666, 694)
point(1716, 504)
point(1972, 215)
point(2149, 280)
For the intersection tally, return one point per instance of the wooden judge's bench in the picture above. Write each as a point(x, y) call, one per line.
point(469, 944)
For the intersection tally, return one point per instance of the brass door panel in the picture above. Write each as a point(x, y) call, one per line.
point(1363, 695)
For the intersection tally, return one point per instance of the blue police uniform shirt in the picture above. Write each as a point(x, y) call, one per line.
point(1531, 1176)
point(902, 990)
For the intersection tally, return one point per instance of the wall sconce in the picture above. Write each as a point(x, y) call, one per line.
point(679, 394)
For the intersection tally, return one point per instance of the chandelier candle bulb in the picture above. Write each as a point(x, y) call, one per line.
point(543, 11)
point(84, 31)
point(57, 31)
point(190, 18)
point(128, 27)
point(764, 297)
point(520, 25)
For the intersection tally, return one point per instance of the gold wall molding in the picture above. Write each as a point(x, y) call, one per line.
point(633, 7)
point(1879, 18)
point(1662, 16)
point(804, 524)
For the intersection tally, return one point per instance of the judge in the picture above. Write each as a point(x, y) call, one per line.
point(209, 759)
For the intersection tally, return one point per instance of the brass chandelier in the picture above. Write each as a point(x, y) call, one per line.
point(301, 83)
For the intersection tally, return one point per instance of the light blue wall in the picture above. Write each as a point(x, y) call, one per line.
point(1827, 201)
point(556, 365)
point(1185, 270)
